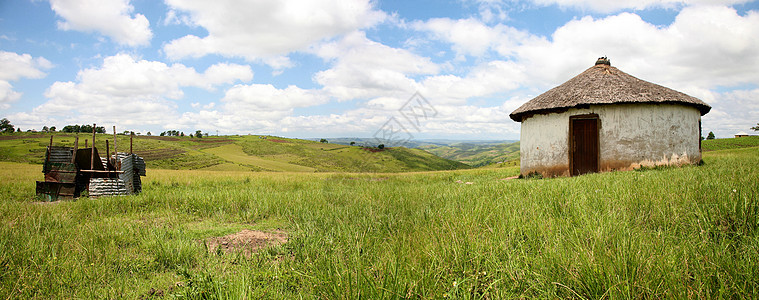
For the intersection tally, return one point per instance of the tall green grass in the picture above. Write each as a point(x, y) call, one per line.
point(731, 143)
point(665, 233)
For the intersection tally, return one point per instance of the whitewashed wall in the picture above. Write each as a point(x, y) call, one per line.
point(631, 136)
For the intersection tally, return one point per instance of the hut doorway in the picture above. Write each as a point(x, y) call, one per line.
point(583, 148)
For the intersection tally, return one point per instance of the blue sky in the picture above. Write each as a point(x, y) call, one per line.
point(322, 68)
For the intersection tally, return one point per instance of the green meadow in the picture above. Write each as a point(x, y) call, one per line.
point(234, 153)
point(477, 155)
point(688, 232)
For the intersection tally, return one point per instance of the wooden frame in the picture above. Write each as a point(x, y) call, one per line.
point(571, 141)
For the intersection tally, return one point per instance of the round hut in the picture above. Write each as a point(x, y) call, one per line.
point(603, 120)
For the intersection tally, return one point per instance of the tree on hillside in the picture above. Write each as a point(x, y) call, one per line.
point(52, 128)
point(198, 134)
point(353, 143)
point(323, 141)
point(710, 136)
point(6, 126)
point(755, 128)
point(381, 146)
point(82, 128)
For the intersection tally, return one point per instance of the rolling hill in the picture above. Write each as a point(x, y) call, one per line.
point(254, 153)
point(476, 155)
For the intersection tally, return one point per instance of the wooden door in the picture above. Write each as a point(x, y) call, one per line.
point(584, 143)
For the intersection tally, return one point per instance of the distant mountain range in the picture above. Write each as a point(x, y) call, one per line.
point(476, 153)
point(413, 143)
point(238, 153)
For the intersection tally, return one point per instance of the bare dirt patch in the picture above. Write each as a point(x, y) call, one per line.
point(373, 150)
point(158, 154)
point(213, 141)
point(246, 241)
point(162, 138)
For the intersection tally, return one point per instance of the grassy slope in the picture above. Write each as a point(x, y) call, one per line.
point(159, 152)
point(341, 158)
point(686, 232)
point(732, 143)
point(235, 153)
point(476, 155)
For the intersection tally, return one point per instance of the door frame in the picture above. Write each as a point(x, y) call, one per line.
point(571, 140)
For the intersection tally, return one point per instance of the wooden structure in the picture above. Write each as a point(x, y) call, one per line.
point(604, 119)
point(72, 171)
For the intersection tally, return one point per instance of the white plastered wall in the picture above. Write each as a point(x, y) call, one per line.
point(630, 136)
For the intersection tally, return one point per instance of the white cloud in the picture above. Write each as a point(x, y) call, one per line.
point(602, 6)
point(15, 66)
point(7, 95)
point(460, 121)
point(366, 69)
point(251, 108)
point(133, 92)
point(266, 30)
point(265, 97)
point(26, 121)
point(482, 80)
point(705, 47)
point(732, 112)
point(471, 36)
point(112, 18)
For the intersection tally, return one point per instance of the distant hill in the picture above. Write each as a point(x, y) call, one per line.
point(476, 155)
point(413, 143)
point(256, 153)
point(731, 143)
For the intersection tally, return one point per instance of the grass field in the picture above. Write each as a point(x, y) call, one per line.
point(731, 143)
point(235, 153)
point(687, 232)
point(477, 155)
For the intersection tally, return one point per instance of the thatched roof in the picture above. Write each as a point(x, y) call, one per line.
point(603, 84)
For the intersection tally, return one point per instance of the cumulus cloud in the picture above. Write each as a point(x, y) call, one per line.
point(15, 66)
point(111, 18)
point(602, 6)
point(706, 47)
point(452, 121)
point(132, 92)
point(471, 36)
point(483, 80)
point(364, 69)
point(253, 107)
point(265, 31)
point(7, 95)
point(740, 107)
point(258, 97)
